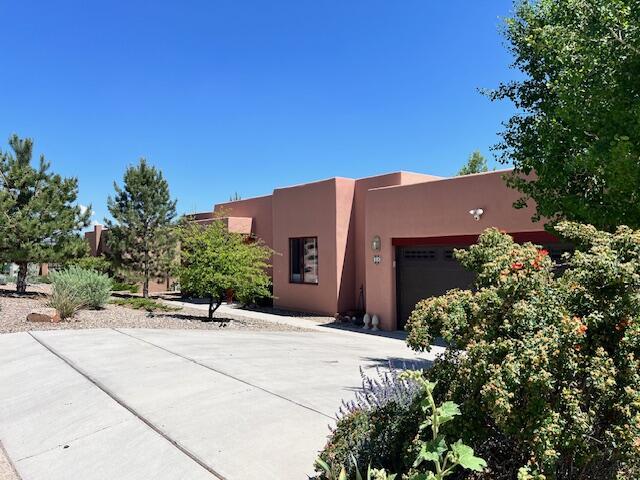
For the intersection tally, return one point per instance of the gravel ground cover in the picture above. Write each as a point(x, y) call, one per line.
point(6, 470)
point(14, 309)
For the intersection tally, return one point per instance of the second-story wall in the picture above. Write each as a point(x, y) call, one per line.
point(258, 208)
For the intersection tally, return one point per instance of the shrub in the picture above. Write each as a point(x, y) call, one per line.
point(549, 370)
point(99, 264)
point(377, 427)
point(117, 286)
point(65, 300)
point(435, 458)
point(90, 287)
point(141, 303)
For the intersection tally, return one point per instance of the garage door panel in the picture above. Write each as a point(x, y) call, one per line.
point(431, 270)
point(426, 271)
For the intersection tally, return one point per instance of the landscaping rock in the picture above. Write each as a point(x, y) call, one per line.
point(49, 315)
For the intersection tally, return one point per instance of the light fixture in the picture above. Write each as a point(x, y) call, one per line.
point(476, 213)
point(376, 244)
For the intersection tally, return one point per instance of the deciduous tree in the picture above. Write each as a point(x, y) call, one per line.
point(475, 164)
point(578, 126)
point(214, 261)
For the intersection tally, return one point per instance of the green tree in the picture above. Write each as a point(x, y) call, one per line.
point(214, 261)
point(578, 126)
point(141, 235)
point(475, 164)
point(39, 219)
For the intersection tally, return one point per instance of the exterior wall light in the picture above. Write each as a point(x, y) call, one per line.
point(376, 243)
point(476, 213)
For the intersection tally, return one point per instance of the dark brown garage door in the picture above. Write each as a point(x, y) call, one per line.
point(423, 272)
point(429, 271)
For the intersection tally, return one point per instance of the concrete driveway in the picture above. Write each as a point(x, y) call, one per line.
point(176, 404)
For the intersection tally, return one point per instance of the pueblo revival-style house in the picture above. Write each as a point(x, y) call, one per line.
point(376, 244)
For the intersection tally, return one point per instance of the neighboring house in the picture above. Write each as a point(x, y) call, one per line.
point(97, 240)
point(376, 244)
point(11, 269)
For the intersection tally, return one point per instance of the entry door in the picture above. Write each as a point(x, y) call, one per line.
point(423, 272)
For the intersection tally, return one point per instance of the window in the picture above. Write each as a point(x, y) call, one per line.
point(303, 260)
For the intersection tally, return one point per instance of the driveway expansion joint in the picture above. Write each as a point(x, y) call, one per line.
point(75, 439)
point(221, 372)
point(136, 414)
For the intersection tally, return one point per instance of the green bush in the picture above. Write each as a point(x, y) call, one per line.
point(381, 437)
point(91, 288)
point(377, 428)
point(117, 286)
point(99, 264)
point(544, 366)
point(433, 457)
point(65, 300)
point(141, 303)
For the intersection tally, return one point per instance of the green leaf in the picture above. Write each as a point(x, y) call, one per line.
point(422, 476)
point(447, 411)
point(324, 465)
point(431, 451)
point(465, 457)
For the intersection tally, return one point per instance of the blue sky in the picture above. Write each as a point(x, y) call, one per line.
point(233, 95)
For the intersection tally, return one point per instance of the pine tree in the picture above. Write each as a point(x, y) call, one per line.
point(141, 235)
point(39, 219)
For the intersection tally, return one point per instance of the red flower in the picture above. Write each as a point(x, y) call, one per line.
point(582, 329)
point(517, 266)
point(542, 252)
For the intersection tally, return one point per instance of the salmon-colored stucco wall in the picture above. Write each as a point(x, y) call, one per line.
point(239, 224)
point(432, 209)
point(360, 240)
point(258, 208)
point(96, 240)
point(345, 244)
point(307, 210)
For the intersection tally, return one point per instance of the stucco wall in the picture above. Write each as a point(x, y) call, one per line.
point(258, 208)
point(306, 211)
point(361, 242)
point(96, 240)
point(432, 209)
point(345, 244)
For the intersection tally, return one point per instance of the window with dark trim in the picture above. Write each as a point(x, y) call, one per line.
point(303, 260)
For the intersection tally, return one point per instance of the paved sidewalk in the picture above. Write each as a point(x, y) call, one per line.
point(166, 404)
point(319, 325)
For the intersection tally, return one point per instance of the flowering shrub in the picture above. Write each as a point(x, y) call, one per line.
point(436, 459)
point(376, 428)
point(387, 386)
point(545, 366)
